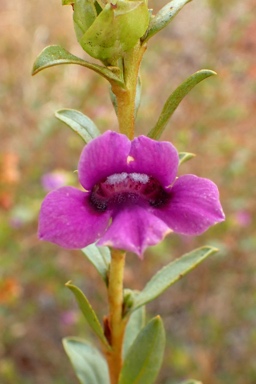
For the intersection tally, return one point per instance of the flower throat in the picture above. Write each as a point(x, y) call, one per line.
point(127, 189)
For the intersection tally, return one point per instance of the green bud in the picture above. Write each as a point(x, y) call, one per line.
point(115, 30)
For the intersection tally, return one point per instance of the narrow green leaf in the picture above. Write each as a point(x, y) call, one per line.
point(163, 17)
point(88, 312)
point(171, 273)
point(57, 55)
point(79, 123)
point(100, 257)
point(134, 326)
point(89, 365)
point(175, 98)
point(185, 156)
point(144, 358)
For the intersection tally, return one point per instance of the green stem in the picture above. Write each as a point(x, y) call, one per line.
point(125, 97)
point(115, 321)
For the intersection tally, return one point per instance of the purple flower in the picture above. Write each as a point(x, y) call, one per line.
point(132, 198)
point(53, 180)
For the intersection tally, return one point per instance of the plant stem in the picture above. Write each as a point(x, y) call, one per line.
point(115, 321)
point(125, 98)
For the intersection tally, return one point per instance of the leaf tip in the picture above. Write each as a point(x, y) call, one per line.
point(211, 248)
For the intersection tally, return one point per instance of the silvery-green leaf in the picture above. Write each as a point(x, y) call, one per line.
point(89, 364)
point(163, 17)
point(79, 123)
point(144, 357)
point(171, 273)
point(100, 257)
point(185, 156)
point(175, 98)
point(57, 55)
point(88, 313)
point(135, 324)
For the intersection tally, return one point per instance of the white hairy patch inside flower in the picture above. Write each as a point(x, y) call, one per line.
point(117, 178)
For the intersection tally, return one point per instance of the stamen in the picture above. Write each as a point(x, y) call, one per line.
point(129, 159)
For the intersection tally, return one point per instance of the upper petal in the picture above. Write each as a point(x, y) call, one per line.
point(134, 229)
point(158, 159)
point(103, 156)
point(193, 206)
point(67, 219)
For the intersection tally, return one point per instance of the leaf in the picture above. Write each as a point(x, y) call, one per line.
point(88, 312)
point(116, 30)
point(144, 358)
point(185, 156)
point(171, 273)
point(88, 363)
point(175, 98)
point(100, 257)
point(80, 123)
point(135, 324)
point(57, 55)
point(163, 17)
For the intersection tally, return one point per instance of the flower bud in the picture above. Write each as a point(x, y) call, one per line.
point(115, 30)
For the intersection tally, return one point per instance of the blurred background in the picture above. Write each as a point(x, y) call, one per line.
point(210, 315)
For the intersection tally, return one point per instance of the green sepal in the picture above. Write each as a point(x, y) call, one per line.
point(135, 324)
point(185, 156)
point(67, 2)
point(98, 7)
point(84, 15)
point(116, 30)
point(88, 363)
point(79, 123)
point(144, 357)
point(164, 17)
point(171, 273)
point(88, 313)
point(100, 257)
point(57, 55)
point(175, 98)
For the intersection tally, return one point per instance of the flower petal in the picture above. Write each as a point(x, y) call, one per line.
point(103, 156)
point(67, 219)
point(155, 158)
point(193, 206)
point(134, 229)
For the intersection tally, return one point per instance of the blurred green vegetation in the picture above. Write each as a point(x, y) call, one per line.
point(210, 315)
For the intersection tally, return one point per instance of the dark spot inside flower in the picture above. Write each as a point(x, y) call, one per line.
point(122, 189)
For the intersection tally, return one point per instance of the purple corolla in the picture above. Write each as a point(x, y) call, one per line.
point(132, 197)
